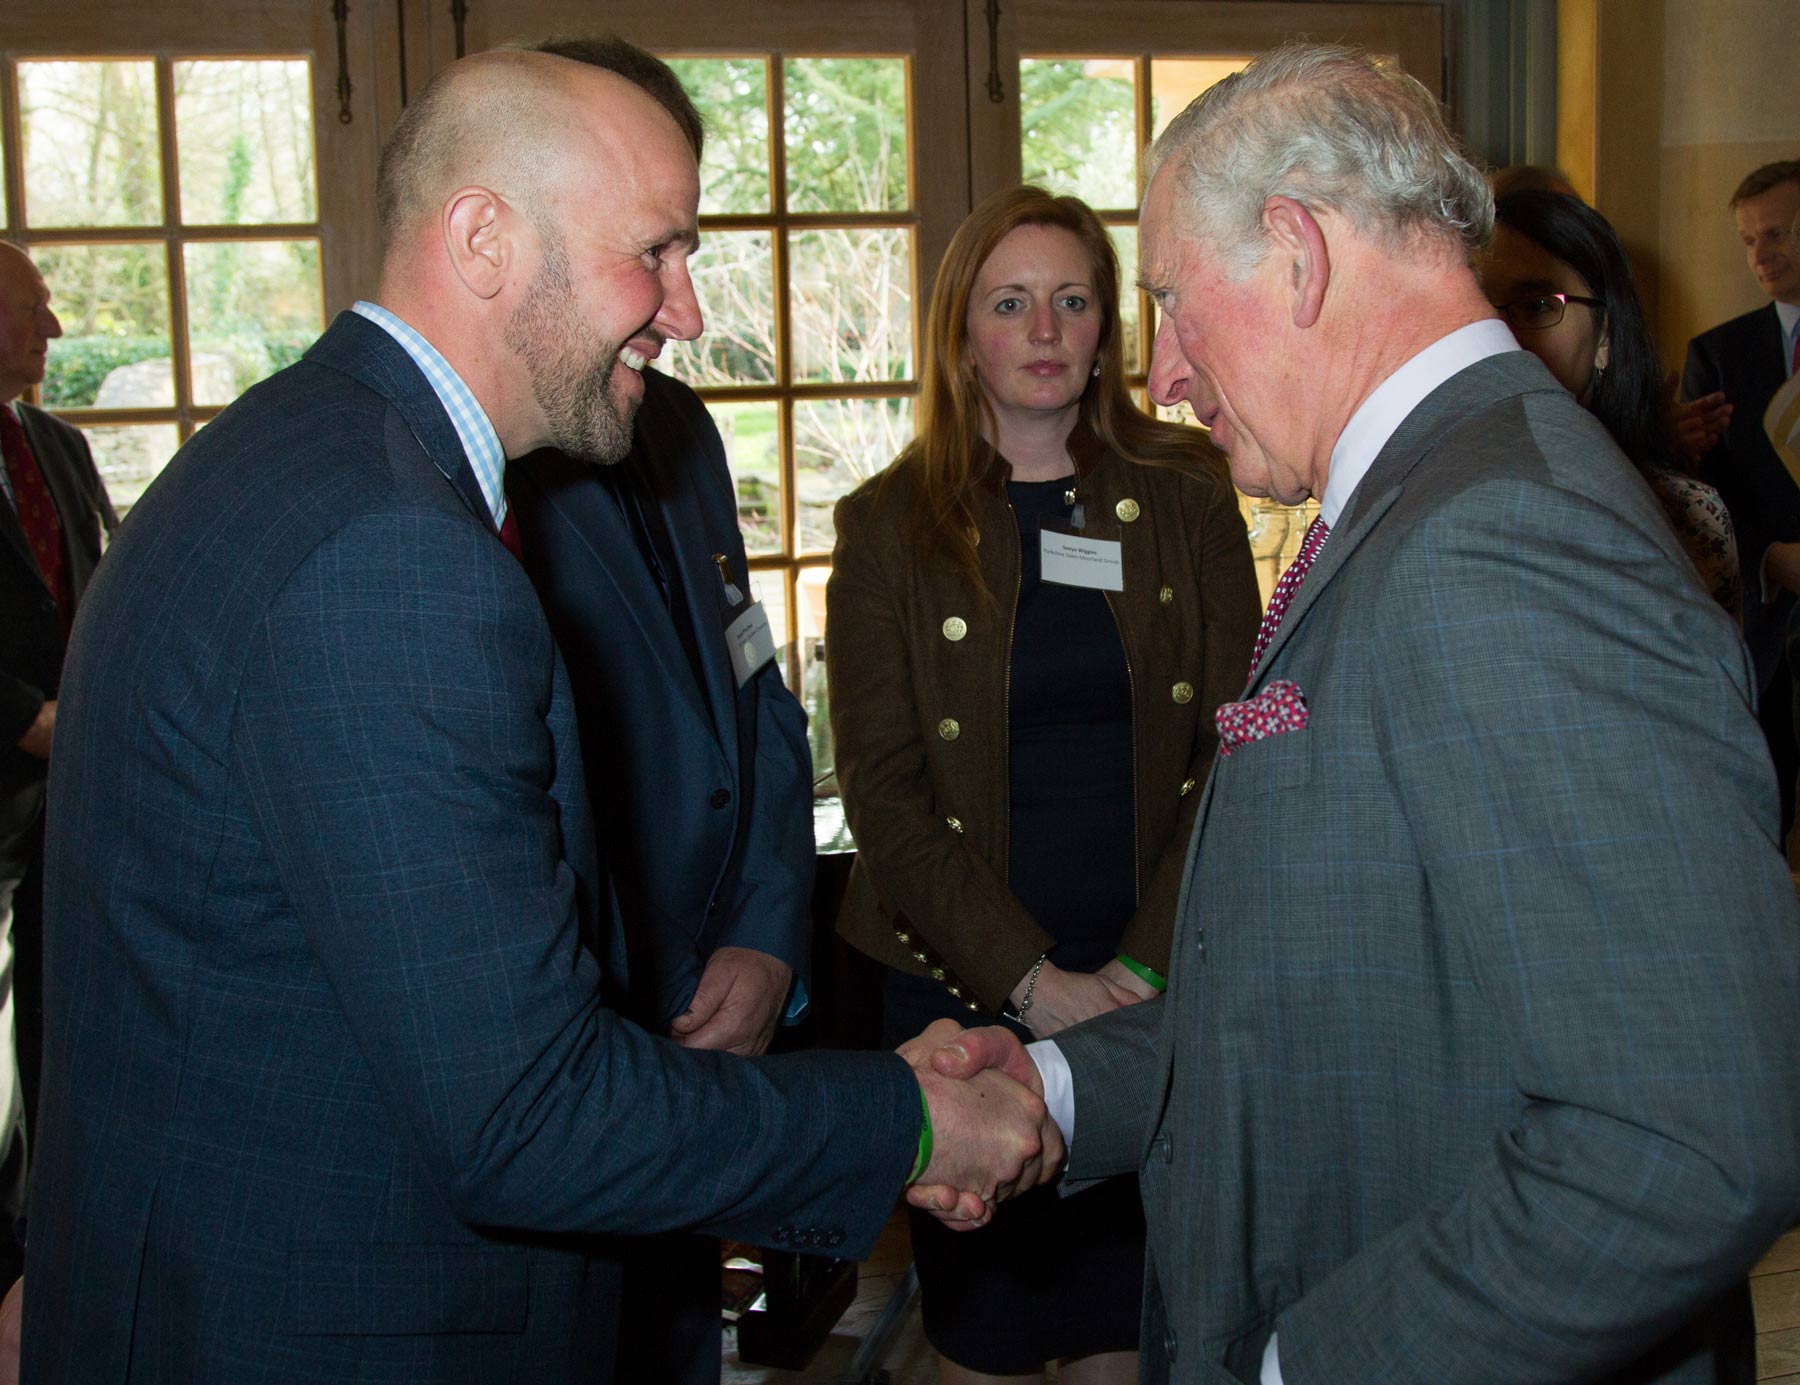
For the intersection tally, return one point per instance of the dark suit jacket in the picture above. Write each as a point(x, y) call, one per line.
point(329, 1091)
point(1743, 357)
point(32, 647)
point(704, 812)
point(1477, 1060)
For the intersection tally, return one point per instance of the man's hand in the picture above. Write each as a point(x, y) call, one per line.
point(737, 1003)
point(944, 1051)
point(1699, 423)
point(1062, 998)
point(36, 740)
point(11, 1313)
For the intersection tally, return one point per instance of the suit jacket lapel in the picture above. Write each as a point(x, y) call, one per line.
point(593, 518)
point(1472, 388)
point(701, 586)
point(361, 349)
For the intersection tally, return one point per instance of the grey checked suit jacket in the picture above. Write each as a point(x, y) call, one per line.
point(1478, 1061)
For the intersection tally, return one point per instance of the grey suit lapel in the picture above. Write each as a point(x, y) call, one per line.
point(1471, 389)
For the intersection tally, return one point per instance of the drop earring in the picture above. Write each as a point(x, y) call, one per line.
point(1095, 372)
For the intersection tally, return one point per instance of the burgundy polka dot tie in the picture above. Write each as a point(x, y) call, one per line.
point(1316, 534)
point(37, 512)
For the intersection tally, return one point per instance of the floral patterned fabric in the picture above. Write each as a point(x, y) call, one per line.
point(1704, 528)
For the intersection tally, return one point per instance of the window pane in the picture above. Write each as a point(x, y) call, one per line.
point(845, 127)
point(130, 456)
point(810, 599)
point(1174, 82)
point(733, 95)
point(245, 134)
point(113, 301)
point(769, 586)
point(253, 307)
point(753, 448)
point(1131, 302)
point(734, 277)
point(1275, 534)
point(1078, 128)
point(91, 153)
point(839, 443)
point(852, 304)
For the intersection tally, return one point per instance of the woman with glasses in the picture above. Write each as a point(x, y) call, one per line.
point(1559, 276)
point(1033, 612)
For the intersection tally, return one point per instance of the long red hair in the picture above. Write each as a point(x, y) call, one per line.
point(947, 457)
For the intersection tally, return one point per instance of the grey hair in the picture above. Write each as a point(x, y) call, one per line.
point(1332, 128)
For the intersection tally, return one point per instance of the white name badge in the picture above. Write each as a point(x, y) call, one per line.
point(1074, 561)
point(751, 642)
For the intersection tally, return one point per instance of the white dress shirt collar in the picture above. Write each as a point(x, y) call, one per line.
point(1387, 407)
point(1789, 313)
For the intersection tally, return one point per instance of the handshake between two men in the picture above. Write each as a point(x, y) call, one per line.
point(992, 1137)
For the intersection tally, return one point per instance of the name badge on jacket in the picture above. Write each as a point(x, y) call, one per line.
point(1074, 561)
point(751, 642)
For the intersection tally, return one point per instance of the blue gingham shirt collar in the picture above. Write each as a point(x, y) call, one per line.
point(481, 444)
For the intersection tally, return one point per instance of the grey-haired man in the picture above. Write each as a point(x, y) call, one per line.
point(1476, 1062)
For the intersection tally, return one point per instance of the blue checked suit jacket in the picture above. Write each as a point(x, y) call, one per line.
point(705, 811)
point(330, 1094)
point(1478, 1061)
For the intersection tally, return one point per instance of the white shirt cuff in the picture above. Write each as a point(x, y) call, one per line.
point(1059, 1086)
point(1271, 1364)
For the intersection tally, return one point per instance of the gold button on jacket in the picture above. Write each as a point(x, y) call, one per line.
point(904, 766)
point(1182, 693)
point(955, 628)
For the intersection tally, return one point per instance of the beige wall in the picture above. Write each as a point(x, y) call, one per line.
point(1663, 105)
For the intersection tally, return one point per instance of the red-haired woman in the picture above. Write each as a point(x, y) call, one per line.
point(1033, 613)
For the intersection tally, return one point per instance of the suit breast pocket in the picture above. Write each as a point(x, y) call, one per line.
point(1276, 763)
point(342, 1288)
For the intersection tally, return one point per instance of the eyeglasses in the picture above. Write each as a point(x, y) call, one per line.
point(1541, 310)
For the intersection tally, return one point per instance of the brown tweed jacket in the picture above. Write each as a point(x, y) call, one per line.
point(918, 679)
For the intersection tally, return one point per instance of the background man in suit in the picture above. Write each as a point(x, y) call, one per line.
point(704, 812)
point(1746, 360)
point(1477, 1060)
point(331, 1092)
point(52, 506)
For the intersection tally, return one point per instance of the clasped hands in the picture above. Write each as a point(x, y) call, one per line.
point(992, 1137)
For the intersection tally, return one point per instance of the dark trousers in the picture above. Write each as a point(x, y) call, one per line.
point(669, 1330)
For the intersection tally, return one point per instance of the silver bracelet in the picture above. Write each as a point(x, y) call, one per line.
point(1030, 986)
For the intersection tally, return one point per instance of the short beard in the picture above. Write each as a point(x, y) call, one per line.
point(569, 369)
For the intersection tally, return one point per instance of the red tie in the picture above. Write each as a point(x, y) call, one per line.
point(509, 535)
point(1283, 595)
point(37, 512)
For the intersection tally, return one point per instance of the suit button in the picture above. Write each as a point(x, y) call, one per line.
point(1169, 1346)
point(1127, 510)
point(1182, 693)
point(1166, 595)
point(1165, 1149)
point(948, 729)
point(955, 628)
point(720, 797)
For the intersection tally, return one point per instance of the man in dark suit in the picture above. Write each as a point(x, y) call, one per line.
point(704, 813)
point(1476, 1062)
point(52, 507)
point(331, 1092)
point(1746, 360)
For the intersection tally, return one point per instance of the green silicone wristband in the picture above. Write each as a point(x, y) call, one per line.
point(924, 1159)
point(1143, 973)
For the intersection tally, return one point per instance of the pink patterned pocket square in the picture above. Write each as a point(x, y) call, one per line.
point(1277, 708)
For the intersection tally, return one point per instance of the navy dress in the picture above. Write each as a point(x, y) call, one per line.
point(1051, 1276)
